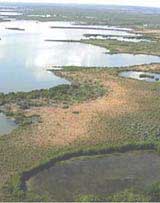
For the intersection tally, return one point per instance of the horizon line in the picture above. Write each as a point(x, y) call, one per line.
point(84, 4)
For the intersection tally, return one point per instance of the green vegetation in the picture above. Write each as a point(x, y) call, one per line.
point(115, 46)
point(150, 194)
point(146, 76)
point(127, 195)
point(62, 93)
point(142, 124)
point(154, 191)
point(21, 119)
point(140, 130)
point(65, 94)
point(136, 129)
point(114, 16)
point(15, 188)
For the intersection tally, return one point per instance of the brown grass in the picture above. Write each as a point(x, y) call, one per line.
point(61, 127)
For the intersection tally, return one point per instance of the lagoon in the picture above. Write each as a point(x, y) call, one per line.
point(25, 55)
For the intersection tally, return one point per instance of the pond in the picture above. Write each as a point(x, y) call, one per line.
point(103, 174)
point(7, 125)
point(25, 55)
point(146, 76)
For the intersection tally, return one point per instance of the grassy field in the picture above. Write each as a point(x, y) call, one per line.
point(128, 113)
point(115, 46)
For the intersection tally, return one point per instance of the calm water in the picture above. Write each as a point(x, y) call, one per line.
point(146, 76)
point(25, 55)
point(8, 13)
point(97, 175)
point(6, 125)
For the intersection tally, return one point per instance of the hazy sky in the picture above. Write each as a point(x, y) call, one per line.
point(150, 3)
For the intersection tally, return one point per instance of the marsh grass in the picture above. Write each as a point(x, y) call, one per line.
point(151, 48)
point(128, 195)
point(16, 188)
point(146, 76)
point(62, 93)
point(22, 159)
point(148, 194)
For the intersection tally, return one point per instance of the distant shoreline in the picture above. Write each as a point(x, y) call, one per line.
point(87, 28)
point(15, 28)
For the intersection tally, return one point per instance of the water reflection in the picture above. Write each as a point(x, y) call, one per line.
point(146, 76)
point(88, 55)
point(25, 55)
point(44, 29)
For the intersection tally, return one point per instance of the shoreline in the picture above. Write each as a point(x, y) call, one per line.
point(111, 52)
point(89, 28)
point(26, 175)
point(64, 153)
point(125, 98)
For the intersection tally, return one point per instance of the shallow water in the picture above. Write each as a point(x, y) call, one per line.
point(146, 76)
point(97, 175)
point(44, 29)
point(25, 55)
point(6, 125)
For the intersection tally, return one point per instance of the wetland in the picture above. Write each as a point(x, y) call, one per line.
point(74, 121)
point(146, 76)
point(103, 175)
point(7, 125)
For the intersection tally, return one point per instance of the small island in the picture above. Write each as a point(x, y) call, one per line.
point(144, 75)
point(15, 28)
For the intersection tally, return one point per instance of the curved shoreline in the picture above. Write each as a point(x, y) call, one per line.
point(89, 28)
point(85, 41)
point(64, 154)
point(26, 175)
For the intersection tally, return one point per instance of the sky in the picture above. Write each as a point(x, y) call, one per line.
point(148, 3)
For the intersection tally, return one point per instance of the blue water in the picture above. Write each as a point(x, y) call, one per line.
point(25, 55)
